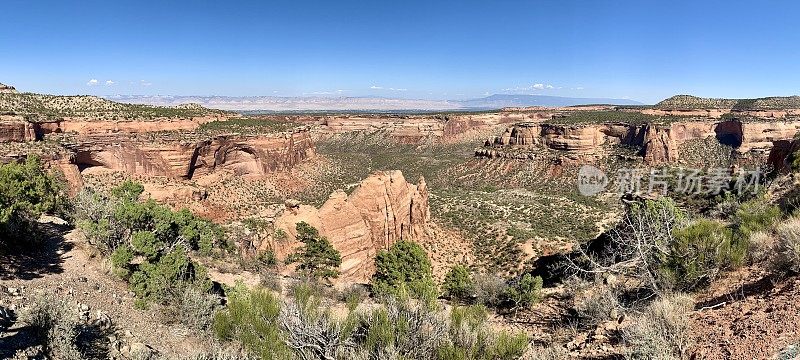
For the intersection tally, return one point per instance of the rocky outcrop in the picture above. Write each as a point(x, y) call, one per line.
point(381, 211)
point(6, 89)
point(658, 146)
point(519, 135)
point(658, 142)
point(572, 137)
point(95, 127)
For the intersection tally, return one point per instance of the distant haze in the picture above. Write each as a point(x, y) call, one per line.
point(274, 103)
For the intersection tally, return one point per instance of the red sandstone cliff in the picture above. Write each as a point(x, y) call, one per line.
point(243, 155)
point(382, 210)
point(659, 142)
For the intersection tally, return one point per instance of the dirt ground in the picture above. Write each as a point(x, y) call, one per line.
point(748, 315)
point(64, 267)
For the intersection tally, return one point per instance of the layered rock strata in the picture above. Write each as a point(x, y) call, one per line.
point(243, 155)
point(658, 142)
point(381, 211)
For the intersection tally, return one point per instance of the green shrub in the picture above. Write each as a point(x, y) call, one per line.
point(509, 346)
point(27, 191)
point(755, 215)
point(700, 251)
point(525, 291)
point(251, 318)
point(128, 190)
point(121, 260)
point(404, 266)
point(127, 229)
point(317, 259)
point(458, 283)
point(167, 277)
point(146, 244)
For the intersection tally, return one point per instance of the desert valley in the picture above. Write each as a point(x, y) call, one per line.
point(134, 231)
point(399, 180)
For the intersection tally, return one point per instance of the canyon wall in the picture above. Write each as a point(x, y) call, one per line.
point(17, 131)
point(83, 126)
point(242, 155)
point(658, 142)
point(718, 113)
point(381, 211)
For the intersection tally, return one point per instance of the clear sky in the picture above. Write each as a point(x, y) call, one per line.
point(643, 50)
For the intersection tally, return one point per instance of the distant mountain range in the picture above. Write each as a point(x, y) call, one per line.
point(316, 103)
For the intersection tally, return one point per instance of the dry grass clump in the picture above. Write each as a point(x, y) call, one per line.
point(55, 326)
point(662, 330)
point(598, 304)
point(786, 252)
point(761, 245)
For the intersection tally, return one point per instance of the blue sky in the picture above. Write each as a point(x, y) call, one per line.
point(643, 50)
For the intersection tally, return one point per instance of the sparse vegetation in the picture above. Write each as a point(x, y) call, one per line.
point(662, 331)
point(302, 326)
point(609, 116)
point(694, 102)
point(248, 126)
point(39, 107)
point(597, 303)
point(54, 326)
point(786, 257)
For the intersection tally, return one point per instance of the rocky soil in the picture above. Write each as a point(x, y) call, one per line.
point(748, 315)
point(68, 269)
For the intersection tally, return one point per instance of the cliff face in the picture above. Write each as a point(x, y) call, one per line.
point(243, 155)
point(17, 131)
point(658, 143)
point(95, 127)
point(383, 210)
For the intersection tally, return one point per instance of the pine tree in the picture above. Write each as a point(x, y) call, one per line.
point(317, 259)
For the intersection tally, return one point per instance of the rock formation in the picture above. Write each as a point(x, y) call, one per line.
point(17, 131)
point(382, 210)
point(658, 142)
point(243, 155)
point(6, 89)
